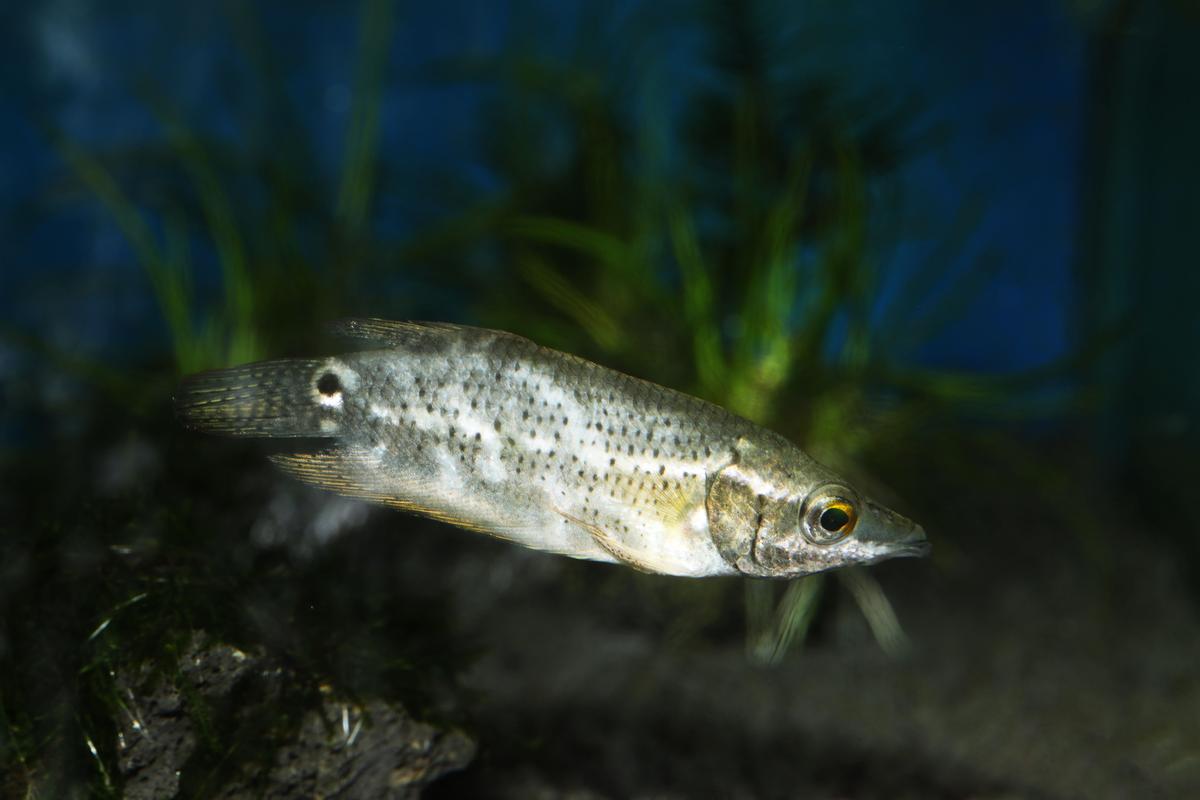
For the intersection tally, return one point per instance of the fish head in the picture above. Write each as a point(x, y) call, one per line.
point(772, 518)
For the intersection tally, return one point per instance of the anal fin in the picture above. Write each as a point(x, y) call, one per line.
point(364, 473)
point(383, 478)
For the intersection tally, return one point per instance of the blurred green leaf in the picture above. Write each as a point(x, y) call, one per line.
point(362, 136)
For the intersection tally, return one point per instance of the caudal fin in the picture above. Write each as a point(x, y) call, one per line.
point(269, 398)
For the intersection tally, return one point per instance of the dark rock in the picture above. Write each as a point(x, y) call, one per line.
point(236, 725)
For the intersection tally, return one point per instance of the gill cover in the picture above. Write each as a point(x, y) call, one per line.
point(743, 521)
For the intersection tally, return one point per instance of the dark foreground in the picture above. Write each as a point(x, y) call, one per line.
point(261, 639)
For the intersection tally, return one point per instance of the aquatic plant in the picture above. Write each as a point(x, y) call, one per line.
point(742, 266)
point(284, 255)
point(726, 239)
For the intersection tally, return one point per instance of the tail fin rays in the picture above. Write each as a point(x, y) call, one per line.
point(269, 398)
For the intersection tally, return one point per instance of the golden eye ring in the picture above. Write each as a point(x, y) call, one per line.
point(829, 518)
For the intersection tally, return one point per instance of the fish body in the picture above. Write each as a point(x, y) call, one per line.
point(491, 432)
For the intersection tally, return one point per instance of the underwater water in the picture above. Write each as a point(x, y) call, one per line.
point(948, 251)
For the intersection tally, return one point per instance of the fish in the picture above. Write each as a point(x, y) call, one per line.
point(491, 432)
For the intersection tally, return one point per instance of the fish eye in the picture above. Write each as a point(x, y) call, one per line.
point(828, 516)
point(834, 518)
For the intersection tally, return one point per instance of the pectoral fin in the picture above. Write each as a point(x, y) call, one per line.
point(659, 562)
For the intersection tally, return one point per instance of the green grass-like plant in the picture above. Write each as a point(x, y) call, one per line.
point(731, 248)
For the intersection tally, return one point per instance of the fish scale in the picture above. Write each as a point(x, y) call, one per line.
point(494, 433)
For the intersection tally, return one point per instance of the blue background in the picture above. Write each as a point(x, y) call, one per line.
point(1002, 84)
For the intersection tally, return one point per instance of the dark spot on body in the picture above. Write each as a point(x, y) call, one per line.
point(328, 384)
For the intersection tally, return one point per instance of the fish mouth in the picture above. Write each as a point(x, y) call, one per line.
point(913, 545)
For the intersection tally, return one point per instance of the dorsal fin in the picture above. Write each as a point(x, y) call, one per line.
point(391, 333)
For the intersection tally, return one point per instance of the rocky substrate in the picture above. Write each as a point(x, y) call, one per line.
point(218, 728)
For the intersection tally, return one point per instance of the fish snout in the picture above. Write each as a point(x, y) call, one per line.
point(914, 544)
point(893, 535)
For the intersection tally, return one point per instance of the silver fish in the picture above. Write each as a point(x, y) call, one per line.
point(489, 431)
